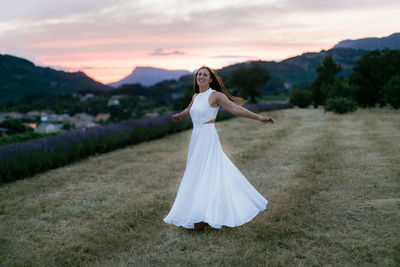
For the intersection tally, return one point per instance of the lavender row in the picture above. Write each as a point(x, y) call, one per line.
point(25, 159)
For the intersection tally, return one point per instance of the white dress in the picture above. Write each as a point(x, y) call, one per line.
point(212, 189)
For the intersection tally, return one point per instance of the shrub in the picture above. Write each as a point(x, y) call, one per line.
point(15, 126)
point(391, 91)
point(301, 98)
point(340, 105)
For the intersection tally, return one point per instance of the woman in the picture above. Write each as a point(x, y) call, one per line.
point(213, 191)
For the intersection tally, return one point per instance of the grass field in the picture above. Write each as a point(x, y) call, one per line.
point(332, 182)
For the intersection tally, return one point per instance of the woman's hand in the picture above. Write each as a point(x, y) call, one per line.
point(176, 118)
point(267, 119)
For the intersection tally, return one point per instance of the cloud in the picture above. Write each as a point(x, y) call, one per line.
point(103, 68)
point(159, 52)
point(328, 6)
point(50, 9)
point(232, 56)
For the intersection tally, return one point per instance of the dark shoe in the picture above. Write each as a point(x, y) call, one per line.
point(200, 225)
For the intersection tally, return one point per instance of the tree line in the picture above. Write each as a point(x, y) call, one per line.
point(375, 80)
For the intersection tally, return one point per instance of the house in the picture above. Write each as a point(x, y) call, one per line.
point(30, 125)
point(151, 114)
point(44, 114)
point(64, 117)
point(48, 128)
point(87, 96)
point(83, 117)
point(113, 102)
point(85, 124)
point(102, 117)
point(33, 114)
point(15, 115)
point(54, 117)
point(119, 96)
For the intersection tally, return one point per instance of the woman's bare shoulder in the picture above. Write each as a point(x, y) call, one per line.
point(215, 92)
point(218, 95)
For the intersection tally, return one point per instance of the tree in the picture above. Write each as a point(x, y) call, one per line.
point(372, 72)
point(14, 126)
point(340, 87)
point(248, 80)
point(368, 78)
point(326, 77)
point(391, 91)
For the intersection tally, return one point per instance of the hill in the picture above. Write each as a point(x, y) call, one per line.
point(20, 77)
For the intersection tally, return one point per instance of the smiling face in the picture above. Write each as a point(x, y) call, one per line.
point(203, 78)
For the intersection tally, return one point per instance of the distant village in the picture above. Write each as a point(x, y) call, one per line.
point(51, 122)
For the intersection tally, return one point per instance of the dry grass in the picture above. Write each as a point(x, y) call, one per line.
point(332, 183)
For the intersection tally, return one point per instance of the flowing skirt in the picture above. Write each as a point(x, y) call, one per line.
point(212, 189)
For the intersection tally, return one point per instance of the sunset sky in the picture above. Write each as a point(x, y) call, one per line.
point(108, 39)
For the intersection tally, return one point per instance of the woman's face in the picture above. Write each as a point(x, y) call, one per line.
point(203, 77)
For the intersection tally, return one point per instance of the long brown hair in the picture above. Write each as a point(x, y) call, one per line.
point(217, 85)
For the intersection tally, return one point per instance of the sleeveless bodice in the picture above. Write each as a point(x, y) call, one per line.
point(201, 111)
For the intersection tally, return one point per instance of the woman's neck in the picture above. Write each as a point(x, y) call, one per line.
point(203, 88)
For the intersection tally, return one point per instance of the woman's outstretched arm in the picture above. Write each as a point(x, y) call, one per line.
point(240, 111)
point(185, 113)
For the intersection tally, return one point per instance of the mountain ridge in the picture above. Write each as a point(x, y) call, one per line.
point(19, 77)
point(371, 43)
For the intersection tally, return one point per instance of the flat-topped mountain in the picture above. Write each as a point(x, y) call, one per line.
point(148, 76)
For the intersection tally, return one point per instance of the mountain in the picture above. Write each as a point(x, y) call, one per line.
point(148, 76)
point(20, 77)
point(391, 42)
